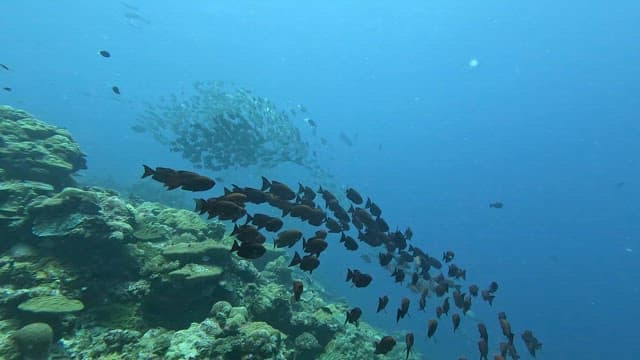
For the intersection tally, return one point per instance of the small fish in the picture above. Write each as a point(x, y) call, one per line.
point(382, 303)
point(448, 256)
point(432, 327)
point(310, 122)
point(138, 128)
point(4, 67)
point(409, 340)
point(7, 89)
point(483, 348)
point(351, 245)
point(354, 196)
point(531, 342)
point(358, 278)
point(116, 90)
point(105, 53)
point(493, 287)
point(473, 290)
point(353, 316)
point(345, 139)
point(385, 345)
point(496, 205)
point(456, 321)
point(482, 329)
point(298, 287)
point(403, 310)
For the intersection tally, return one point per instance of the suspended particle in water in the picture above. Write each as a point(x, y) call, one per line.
point(473, 63)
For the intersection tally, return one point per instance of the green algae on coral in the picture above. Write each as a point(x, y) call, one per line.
point(196, 272)
point(34, 150)
point(34, 340)
point(51, 304)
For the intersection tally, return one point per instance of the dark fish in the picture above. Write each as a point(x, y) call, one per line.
point(173, 179)
point(506, 329)
point(315, 245)
point(496, 205)
point(487, 296)
point(287, 238)
point(415, 277)
point(248, 250)
point(373, 208)
point(484, 349)
point(483, 332)
point(398, 274)
point(307, 263)
point(353, 316)
point(279, 189)
point(439, 311)
point(333, 225)
point(349, 242)
point(531, 342)
point(345, 139)
point(298, 287)
point(7, 89)
point(354, 196)
point(248, 233)
point(116, 90)
point(385, 258)
point(4, 67)
point(456, 321)
point(385, 345)
point(404, 309)
point(422, 303)
point(446, 306)
point(448, 255)
point(493, 287)
point(358, 278)
point(105, 53)
point(382, 225)
point(267, 222)
point(473, 290)
point(432, 327)
point(254, 196)
point(409, 340)
point(408, 233)
point(382, 303)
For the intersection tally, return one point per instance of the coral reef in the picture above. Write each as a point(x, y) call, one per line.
point(98, 276)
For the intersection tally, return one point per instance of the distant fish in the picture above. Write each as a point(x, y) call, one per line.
point(345, 139)
point(354, 196)
point(619, 185)
point(298, 287)
point(116, 90)
point(496, 205)
point(4, 67)
point(310, 122)
point(7, 89)
point(432, 327)
point(129, 6)
point(409, 340)
point(323, 141)
point(105, 53)
point(138, 128)
point(382, 303)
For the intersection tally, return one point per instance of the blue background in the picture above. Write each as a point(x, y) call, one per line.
point(547, 123)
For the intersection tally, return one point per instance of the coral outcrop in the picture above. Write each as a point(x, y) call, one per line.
point(98, 276)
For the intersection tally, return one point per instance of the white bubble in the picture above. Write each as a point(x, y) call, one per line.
point(474, 62)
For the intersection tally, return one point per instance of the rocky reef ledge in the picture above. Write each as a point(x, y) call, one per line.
point(86, 274)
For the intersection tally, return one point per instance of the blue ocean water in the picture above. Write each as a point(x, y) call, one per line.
point(451, 105)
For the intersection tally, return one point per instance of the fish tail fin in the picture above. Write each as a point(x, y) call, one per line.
point(147, 171)
point(296, 259)
point(236, 230)
point(227, 191)
point(265, 184)
point(349, 274)
point(249, 219)
point(201, 206)
point(285, 212)
point(235, 246)
point(368, 203)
